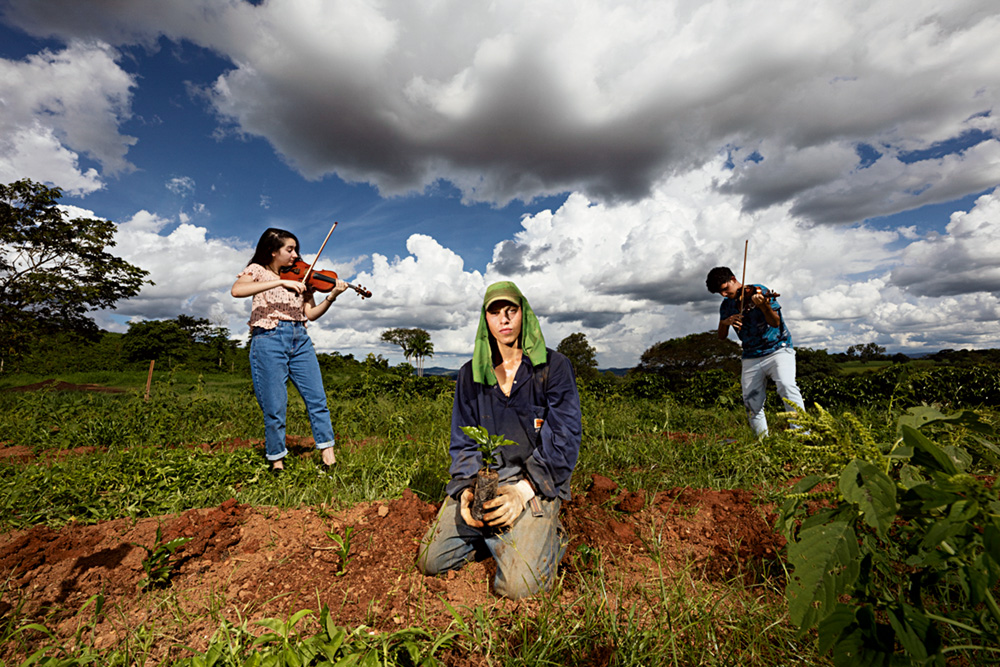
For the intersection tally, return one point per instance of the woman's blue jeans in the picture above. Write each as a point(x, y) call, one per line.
point(277, 356)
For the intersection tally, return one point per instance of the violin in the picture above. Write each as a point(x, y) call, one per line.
point(746, 298)
point(320, 281)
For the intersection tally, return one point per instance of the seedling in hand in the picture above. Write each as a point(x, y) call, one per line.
point(487, 478)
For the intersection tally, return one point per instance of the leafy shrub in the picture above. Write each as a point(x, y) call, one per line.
point(645, 385)
point(600, 386)
point(904, 555)
point(714, 387)
point(899, 384)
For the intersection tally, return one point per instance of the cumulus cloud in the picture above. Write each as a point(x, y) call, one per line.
point(521, 99)
point(59, 106)
point(829, 185)
point(630, 275)
point(34, 152)
point(188, 268)
point(967, 254)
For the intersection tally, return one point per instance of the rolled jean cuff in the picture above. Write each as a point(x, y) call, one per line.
point(325, 445)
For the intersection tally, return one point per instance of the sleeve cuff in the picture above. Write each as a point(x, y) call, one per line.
point(526, 491)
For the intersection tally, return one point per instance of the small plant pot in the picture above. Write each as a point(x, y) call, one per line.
point(485, 489)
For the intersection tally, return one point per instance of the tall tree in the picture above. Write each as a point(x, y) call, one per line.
point(156, 339)
point(682, 357)
point(421, 347)
point(415, 343)
point(581, 354)
point(55, 270)
point(867, 352)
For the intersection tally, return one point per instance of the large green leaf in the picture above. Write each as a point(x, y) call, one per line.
point(991, 540)
point(921, 416)
point(867, 643)
point(832, 629)
point(873, 491)
point(825, 561)
point(925, 415)
point(914, 631)
point(955, 522)
point(925, 497)
point(926, 453)
point(987, 450)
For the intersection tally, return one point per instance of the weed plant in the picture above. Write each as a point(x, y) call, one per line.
point(900, 563)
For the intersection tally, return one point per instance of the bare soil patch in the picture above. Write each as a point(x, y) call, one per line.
point(247, 562)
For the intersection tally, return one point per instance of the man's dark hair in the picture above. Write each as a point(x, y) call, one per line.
point(718, 277)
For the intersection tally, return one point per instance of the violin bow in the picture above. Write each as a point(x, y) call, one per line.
point(743, 279)
point(305, 278)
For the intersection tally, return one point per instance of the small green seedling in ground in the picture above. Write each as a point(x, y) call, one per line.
point(587, 557)
point(343, 547)
point(157, 564)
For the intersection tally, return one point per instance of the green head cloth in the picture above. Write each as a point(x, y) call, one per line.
point(532, 342)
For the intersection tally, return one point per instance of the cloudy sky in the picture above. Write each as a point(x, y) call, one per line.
point(603, 155)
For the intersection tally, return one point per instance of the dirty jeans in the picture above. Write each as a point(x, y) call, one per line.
point(780, 367)
point(527, 554)
point(277, 355)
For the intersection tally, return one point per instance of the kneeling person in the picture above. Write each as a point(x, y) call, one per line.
point(516, 387)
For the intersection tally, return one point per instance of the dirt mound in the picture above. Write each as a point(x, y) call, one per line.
point(245, 562)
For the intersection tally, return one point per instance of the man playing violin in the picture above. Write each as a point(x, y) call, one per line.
point(755, 314)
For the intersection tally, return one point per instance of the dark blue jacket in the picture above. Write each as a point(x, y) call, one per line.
point(542, 415)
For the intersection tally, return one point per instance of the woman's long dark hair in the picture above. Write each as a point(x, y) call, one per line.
point(270, 241)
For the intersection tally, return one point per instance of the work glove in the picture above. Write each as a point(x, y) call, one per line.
point(510, 501)
point(465, 508)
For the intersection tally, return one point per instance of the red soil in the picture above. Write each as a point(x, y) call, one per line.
point(247, 563)
point(254, 562)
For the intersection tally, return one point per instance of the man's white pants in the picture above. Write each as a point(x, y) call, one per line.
point(780, 367)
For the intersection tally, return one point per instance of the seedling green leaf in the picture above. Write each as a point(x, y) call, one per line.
point(488, 444)
point(343, 548)
point(157, 564)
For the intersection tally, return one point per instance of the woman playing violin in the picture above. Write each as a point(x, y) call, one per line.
point(280, 347)
point(755, 314)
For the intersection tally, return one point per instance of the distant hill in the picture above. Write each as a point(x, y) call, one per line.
point(437, 370)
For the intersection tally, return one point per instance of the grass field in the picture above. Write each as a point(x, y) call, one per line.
point(81, 461)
